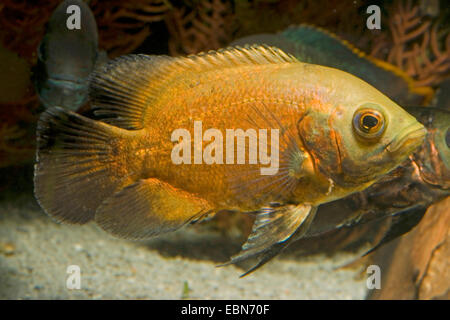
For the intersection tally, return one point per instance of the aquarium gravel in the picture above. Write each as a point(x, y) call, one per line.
point(35, 253)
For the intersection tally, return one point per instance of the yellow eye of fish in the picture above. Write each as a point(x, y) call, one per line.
point(368, 123)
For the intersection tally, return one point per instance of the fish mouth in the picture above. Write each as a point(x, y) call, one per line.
point(408, 140)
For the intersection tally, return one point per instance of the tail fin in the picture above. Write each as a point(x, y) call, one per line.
point(80, 162)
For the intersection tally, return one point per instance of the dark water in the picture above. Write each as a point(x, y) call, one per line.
point(337, 36)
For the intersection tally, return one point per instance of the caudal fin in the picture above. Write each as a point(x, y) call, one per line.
point(79, 163)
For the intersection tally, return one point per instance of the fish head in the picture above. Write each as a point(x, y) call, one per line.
point(433, 158)
point(66, 57)
point(363, 137)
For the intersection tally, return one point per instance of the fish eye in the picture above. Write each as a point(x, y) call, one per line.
point(368, 123)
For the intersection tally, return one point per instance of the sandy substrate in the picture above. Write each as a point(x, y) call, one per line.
point(35, 253)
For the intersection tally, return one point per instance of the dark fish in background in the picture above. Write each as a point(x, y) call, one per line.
point(442, 97)
point(406, 193)
point(314, 45)
point(67, 57)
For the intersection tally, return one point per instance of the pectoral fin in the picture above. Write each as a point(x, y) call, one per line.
point(148, 208)
point(273, 231)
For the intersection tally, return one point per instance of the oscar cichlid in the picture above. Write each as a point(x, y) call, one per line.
point(337, 135)
point(66, 56)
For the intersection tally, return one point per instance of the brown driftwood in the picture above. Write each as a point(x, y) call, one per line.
point(416, 266)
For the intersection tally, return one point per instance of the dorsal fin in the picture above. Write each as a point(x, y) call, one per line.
point(122, 89)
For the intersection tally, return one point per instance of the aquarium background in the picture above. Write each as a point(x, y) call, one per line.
point(35, 251)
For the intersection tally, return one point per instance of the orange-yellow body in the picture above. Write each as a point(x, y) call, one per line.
point(226, 100)
point(336, 135)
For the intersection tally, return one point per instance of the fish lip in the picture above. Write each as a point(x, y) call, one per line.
point(67, 83)
point(413, 134)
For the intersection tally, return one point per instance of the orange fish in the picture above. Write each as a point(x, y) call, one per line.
point(247, 129)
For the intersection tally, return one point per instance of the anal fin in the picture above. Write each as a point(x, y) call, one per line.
point(149, 208)
point(274, 229)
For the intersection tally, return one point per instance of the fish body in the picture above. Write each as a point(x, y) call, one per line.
point(66, 57)
point(336, 135)
point(318, 46)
